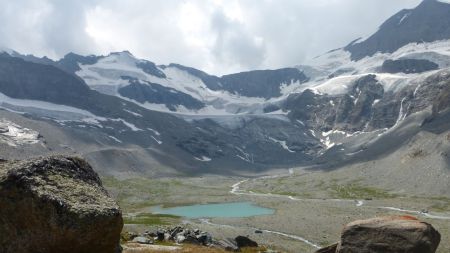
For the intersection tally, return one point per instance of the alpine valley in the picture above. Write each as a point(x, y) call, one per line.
point(359, 131)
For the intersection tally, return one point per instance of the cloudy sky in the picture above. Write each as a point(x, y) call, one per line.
point(218, 36)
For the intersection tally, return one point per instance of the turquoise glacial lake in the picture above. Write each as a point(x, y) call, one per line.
point(223, 210)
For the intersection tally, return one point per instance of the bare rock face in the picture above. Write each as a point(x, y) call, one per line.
point(393, 234)
point(56, 204)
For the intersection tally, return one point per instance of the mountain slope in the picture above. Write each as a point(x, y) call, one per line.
point(49, 93)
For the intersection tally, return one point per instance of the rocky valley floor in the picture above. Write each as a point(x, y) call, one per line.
point(311, 207)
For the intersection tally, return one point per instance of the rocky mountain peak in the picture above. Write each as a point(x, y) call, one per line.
point(429, 21)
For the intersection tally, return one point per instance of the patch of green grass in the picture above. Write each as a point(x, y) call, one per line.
point(357, 191)
point(136, 194)
point(441, 198)
point(280, 180)
point(164, 243)
point(441, 204)
point(325, 242)
point(253, 250)
point(440, 207)
point(152, 219)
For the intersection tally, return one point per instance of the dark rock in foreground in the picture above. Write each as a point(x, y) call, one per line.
point(244, 242)
point(393, 234)
point(56, 204)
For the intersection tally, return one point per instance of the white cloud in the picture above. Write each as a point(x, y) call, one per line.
point(219, 36)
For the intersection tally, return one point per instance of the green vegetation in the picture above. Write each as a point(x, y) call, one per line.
point(164, 243)
point(441, 204)
point(152, 219)
point(440, 207)
point(253, 250)
point(138, 194)
point(324, 242)
point(357, 191)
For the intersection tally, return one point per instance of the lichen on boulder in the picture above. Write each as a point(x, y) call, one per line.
point(56, 204)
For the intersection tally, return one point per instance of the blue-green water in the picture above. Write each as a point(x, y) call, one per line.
point(226, 210)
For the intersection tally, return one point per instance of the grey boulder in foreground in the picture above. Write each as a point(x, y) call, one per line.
point(56, 204)
point(391, 234)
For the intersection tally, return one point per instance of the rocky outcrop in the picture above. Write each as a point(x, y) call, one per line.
point(179, 234)
point(150, 68)
point(262, 83)
point(183, 234)
point(56, 204)
point(351, 112)
point(408, 66)
point(392, 234)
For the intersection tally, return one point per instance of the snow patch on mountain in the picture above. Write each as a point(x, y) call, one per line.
point(203, 159)
point(244, 155)
point(341, 59)
point(404, 17)
point(128, 124)
point(338, 60)
point(341, 84)
point(282, 144)
point(327, 142)
point(133, 113)
point(61, 114)
point(157, 141)
point(154, 131)
point(14, 135)
point(114, 138)
point(46, 109)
